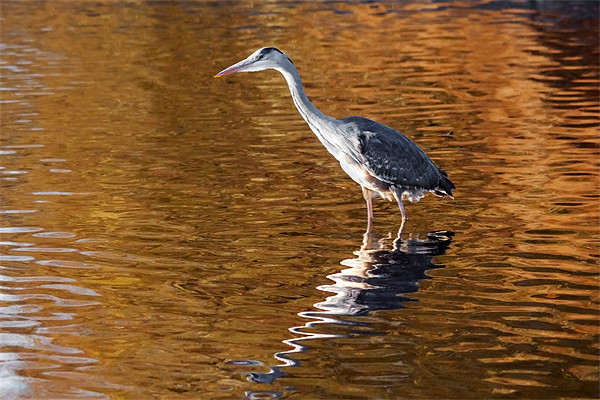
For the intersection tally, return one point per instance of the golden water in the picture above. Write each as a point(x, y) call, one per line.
point(167, 235)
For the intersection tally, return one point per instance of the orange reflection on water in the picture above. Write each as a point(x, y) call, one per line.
point(156, 223)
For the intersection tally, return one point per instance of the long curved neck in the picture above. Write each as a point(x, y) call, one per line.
point(311, 114)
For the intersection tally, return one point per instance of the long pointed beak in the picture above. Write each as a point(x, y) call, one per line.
point(238, 67)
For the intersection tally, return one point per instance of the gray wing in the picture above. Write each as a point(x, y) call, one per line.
point(394, 158)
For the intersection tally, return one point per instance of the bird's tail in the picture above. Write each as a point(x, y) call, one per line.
point(445, 186)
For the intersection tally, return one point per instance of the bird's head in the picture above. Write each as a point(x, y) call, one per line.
point(261, 59)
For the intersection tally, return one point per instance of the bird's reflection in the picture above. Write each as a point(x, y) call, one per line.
point(383, 271)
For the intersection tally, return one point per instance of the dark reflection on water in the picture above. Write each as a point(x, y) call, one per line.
point(384, 271)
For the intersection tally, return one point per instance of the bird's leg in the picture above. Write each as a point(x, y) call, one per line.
point(398, 197)
point(368, 195)
point(401, 230)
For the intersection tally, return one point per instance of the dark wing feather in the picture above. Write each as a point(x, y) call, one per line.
point(394, 158)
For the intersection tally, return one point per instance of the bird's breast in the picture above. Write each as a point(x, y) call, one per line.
point(364, 178)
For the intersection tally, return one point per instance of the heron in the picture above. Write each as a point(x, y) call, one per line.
point(383, 161)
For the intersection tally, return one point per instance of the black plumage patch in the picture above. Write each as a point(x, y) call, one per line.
point(268, 50)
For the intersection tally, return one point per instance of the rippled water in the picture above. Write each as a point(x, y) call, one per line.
point(167, 235)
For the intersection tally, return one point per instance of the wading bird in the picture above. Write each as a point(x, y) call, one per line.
point(380, 159)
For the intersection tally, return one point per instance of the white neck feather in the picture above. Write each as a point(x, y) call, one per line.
point(318, 122)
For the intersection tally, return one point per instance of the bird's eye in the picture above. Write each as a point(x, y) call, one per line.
point(261, 56)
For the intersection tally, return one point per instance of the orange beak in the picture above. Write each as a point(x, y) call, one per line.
point(238, 67)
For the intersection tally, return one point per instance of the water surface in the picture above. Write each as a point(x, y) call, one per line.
point(164, 234)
